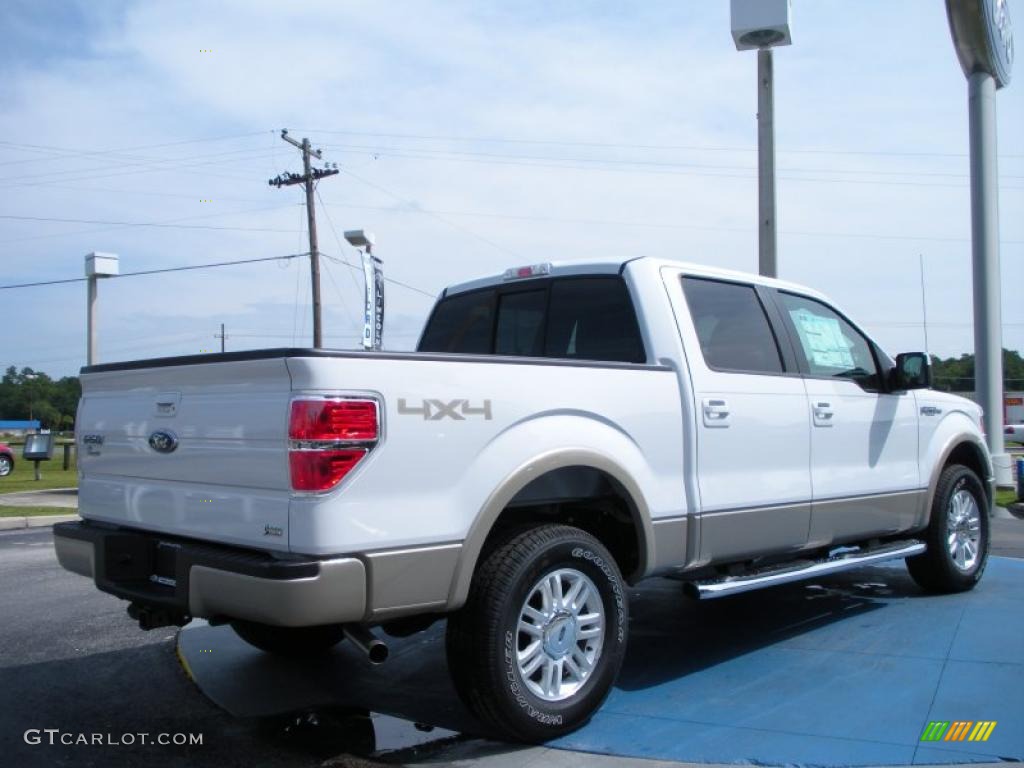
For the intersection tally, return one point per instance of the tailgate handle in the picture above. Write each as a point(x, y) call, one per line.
point(167, 403)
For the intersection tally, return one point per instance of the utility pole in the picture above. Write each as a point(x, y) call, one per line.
point(222, 336)
point(308, 177)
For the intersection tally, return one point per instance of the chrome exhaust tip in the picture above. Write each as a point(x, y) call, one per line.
point(376, 650)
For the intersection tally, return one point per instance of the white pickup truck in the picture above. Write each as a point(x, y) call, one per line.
point(562, 431)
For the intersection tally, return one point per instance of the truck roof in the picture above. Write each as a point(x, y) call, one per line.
point(612, 266)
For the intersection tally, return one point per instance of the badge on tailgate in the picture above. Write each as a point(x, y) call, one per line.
point(163, 441)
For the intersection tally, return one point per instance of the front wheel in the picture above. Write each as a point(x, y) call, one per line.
point(6, 465)
point(957, 535)
point(541, 639)
point(293, 642)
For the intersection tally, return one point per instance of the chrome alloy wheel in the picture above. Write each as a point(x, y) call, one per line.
point(560, 634)
point(963, 530)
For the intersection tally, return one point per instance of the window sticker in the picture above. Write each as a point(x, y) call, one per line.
point(823, 340)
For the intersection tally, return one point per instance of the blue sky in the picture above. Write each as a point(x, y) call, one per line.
point(474, 136)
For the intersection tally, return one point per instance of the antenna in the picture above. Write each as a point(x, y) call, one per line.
point(924, 308)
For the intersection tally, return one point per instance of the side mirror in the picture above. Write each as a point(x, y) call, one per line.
point(913, 371)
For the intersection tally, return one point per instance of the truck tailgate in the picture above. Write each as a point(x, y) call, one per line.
point(197, 450)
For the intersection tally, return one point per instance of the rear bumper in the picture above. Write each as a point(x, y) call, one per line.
point(202, 580)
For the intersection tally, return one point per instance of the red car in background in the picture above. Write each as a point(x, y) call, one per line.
point(6, 459)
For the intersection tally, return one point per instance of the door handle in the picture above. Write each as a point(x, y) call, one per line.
point(716, 413)
point(823, 414)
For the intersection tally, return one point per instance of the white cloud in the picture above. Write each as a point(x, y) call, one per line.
point(881, 77)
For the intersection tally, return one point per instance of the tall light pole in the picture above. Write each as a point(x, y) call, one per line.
point(762, 25)
point(983, 36)
point(97, 265)
point(373, 279)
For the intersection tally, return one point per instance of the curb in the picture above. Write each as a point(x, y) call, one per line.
point(44, 490)
point(34, 521)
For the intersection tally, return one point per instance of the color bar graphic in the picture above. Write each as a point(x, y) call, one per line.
point(958, 730)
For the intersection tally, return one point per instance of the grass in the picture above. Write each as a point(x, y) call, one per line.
point(53, 473)
point(34, 511)
point(1005, 496)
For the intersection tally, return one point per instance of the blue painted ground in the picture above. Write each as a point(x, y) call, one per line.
point(844, 671)
point(847, 671)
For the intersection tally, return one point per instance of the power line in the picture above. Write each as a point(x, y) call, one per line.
point(377, 150)
point(159, 271)
point(657, 225)
point(149, 223)
point(615, 145)
point(139, 146)
point(350, 265)
point(330, 223)
point(443, 220)
point(654, 170)
point(193, 161)
point(67, 153)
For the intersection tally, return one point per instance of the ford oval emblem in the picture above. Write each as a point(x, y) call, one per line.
point(163, 441)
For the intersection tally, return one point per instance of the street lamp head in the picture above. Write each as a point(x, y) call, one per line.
point(760, 23)
point(359, 238)
point(101, 264)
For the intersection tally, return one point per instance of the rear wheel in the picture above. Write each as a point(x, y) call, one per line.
point(541, 639)
point(6, 465)
point(957, 536)
point(289, 641)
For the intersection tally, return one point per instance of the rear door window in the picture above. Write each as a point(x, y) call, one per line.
point(520, 328)
point(593, 319)
point(732, 327)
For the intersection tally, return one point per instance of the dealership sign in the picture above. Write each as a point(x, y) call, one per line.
point(983, 36)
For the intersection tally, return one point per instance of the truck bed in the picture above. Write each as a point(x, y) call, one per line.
point(452, 427)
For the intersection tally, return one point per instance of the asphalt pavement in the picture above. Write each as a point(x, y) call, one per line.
point(73, 661)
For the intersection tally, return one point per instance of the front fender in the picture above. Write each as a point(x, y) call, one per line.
point(955, 430)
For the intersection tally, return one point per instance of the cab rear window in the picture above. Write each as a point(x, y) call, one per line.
point(579, 318)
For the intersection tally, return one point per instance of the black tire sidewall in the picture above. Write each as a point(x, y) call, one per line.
point(958, 480)
point(5, 461)
point(547, 719)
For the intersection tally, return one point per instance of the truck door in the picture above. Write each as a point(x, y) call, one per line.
point(864, 464)
point(753, 428)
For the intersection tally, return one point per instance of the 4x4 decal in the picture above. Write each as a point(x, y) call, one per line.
point(435, 410)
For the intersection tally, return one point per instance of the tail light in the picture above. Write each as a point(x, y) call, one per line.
point(328, 437)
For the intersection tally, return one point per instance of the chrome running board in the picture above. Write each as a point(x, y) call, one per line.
point(707, 589)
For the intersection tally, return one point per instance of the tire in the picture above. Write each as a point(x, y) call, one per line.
point(483, 641)
point(6, 465)
point(959, 526)
point(292, 642)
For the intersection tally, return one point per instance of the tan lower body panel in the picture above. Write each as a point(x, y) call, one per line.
point(334, 596)
point(835, 521)
point(407, 581)
point(737, 534)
